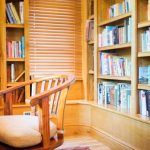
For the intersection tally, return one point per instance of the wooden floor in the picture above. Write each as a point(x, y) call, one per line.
point(83, 140)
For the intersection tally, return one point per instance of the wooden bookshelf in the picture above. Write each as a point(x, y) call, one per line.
point(126, 49)
point(14, 44)
point(89, 88)
point(143, 21)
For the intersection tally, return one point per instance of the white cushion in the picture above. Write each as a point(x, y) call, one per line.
point(22, 131)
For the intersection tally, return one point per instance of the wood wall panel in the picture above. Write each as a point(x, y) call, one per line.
point(76, 91)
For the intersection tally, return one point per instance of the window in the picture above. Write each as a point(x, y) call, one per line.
point(55, 37)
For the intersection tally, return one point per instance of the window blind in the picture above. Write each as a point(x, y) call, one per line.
point(55, 37)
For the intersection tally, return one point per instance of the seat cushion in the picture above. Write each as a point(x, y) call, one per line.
point(22, 131)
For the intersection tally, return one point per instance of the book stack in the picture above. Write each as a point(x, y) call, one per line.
point(112, 35)
point(145, 40)
point(90, 30)
point(15, 49)
point(144, 74)
point(116, 94)
point(144, 102)
point(119, 8)
point(114, 65)
point(13, 16)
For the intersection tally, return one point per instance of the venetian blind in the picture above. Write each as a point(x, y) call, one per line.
point(55, 37)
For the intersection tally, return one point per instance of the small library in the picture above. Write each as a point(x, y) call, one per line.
point(75, 74)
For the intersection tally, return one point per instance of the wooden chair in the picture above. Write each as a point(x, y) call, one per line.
point(43, 130)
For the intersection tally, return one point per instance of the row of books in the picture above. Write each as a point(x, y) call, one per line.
point(145, 40)
point(13, 16)
point(144, 102)
point(116, 94)
point(15, 49)
point(144, 74)
point(111, 64)
point(112, 35)
point(119, 8)
point(90, 30)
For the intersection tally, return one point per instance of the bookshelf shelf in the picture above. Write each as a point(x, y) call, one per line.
point(143, 54)
point(91, 17)
point(114, 19)
point(91, 72)
point(143, 24)
point(15, 59)
point(91, 42)
point(117, 46)
point(107, 77)
point(15, 25)
point(143, 87)
point(12, 83)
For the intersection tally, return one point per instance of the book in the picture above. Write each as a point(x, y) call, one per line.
point(142, 99)
point(21, 11)
point(14, 12)
point(12, 72)
point(143, 75)
point(148, 102)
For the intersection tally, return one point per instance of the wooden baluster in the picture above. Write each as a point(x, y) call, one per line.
point(8, 100)
point(53, 97)
point(56, 100)
point(44, 121)
point(42, 86)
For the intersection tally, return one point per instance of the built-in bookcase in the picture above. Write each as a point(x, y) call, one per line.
point(90, 49)
point(114, 55)
point(15, 47)
point(122, 56)
point(144, 57)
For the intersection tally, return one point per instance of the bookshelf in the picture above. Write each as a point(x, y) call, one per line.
point(14, 44)
point(90, 49)
point(143, 57)
point(128, 52)
point(121, 53)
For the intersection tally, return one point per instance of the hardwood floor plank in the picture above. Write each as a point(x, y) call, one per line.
point(83, 141)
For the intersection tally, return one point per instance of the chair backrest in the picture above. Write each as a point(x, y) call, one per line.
point(59, 84)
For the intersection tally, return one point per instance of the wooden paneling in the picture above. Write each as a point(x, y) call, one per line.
point(76, 91)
